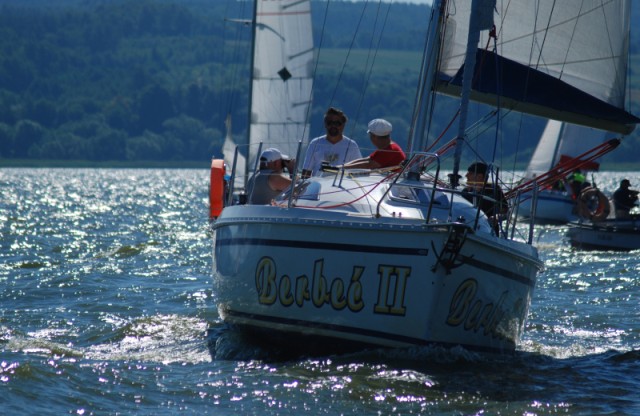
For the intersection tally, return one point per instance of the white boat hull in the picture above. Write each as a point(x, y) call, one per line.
point(551, 208)
point(608, 235)
point(368, 280)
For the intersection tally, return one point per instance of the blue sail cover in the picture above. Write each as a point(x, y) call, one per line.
point(501, 82)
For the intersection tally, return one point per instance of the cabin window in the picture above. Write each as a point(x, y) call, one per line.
point(419, 196)
point(309, 191)
point(403, 193)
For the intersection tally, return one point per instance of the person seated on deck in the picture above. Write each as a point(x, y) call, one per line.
point(577, 182)
point(387, 153)
point(624, 199)
point(477, 183)
point(560, 185)
point(269, 181)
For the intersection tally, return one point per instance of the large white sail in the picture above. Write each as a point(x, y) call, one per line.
point(565, 60)
point(282, 76)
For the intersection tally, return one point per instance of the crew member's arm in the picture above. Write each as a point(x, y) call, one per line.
point(362, 163)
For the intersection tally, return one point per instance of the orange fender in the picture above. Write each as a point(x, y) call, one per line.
point(593, 205)
point(216, 188)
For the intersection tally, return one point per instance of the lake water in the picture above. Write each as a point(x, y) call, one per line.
point(106, 301)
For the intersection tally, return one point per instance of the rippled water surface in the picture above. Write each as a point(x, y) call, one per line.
point(106, 307)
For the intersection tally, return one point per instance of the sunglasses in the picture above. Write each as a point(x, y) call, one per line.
point(337, 123)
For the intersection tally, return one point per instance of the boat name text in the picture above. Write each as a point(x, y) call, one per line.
point(335, 292)
point(468, 310)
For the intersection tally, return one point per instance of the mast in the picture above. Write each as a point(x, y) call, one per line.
point(252, 70)
point(481, 19)
point(427, 74)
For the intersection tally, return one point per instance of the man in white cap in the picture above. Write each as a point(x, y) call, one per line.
point(333, 148)
point(269, 181)
point(387, 153)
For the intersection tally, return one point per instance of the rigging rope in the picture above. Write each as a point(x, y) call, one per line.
point(342, 204)
point(315, 68)
point(564, 168)
point(233, 61)
point(344, 64)
point(373, 60)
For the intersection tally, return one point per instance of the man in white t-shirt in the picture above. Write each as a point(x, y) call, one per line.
point(333, 148)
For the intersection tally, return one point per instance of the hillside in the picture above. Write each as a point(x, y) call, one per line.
point(153, 80)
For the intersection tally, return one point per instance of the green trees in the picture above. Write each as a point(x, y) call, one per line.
point(106, 81)
point(143, 80)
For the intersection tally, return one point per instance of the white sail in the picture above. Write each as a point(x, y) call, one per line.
point(562, 140)
point(565, 60)
point(543, 156)
point(282, 76)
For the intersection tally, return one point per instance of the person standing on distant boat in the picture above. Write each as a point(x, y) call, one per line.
point(333, 148)
point(477, 186)
point(577, 182)
point(624, 199)
point(387, 153)
point(269, 181)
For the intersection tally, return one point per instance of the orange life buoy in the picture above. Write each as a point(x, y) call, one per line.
point(593, 205)
point(216, 188)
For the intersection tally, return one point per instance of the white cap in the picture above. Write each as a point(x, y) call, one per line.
point(379, 127)
point(272, 154)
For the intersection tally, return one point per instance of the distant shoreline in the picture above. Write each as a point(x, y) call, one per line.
point(38, 163)
point(196, 164)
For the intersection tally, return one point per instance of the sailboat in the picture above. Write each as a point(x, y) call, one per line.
point(400, 257)
point(562, 144)
point(609, 234)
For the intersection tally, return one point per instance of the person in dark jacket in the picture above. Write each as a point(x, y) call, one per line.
point(624, 199)
point(477, 183)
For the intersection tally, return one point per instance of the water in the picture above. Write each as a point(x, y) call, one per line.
point(106, 298)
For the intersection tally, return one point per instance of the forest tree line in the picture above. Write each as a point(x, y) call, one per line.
point(147, 80)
